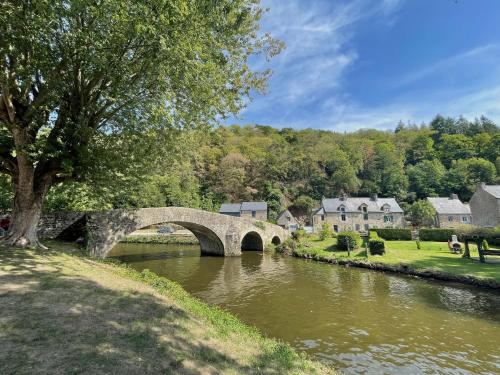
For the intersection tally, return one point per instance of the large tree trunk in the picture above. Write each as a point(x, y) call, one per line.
point(29, 193)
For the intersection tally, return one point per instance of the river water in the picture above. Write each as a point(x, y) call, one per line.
point(360, 321)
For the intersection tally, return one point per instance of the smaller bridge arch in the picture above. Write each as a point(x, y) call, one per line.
point(252, 241)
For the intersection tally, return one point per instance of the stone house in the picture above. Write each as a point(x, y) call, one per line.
point(287, 221)
point(450, 211)
point(359, 214)
point(252, 210)
point(485, 206)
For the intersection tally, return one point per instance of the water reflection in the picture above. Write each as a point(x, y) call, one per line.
point(360, 320)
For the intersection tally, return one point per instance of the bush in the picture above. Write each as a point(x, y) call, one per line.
point(392, 234)
point(436, 234)
point(374, 235)
point(345, 239)
point(377, 247)
point(260, 224)
point(325, 232)
point(485, 245)
point(287, 247)
point(299, 234)
point(418, 244)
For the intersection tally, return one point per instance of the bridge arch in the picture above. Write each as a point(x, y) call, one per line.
point(252, 241)
point(276, 240)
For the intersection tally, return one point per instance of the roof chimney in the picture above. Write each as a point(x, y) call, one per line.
point(453, 196)
point(374, 197)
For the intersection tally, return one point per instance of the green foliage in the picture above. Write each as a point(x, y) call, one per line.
point(5, 193)
point(394, 234)
point(421, 213)
point(374, 235)
point(376, 246)
point(485, 245)
point(419, 245)
point(436, 234)
point(299, 234)
point(349, 240)
point(325, 232)
point(260, 224)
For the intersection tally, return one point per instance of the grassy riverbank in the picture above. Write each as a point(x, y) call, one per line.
point(161, 239)
point(61, 312)
point(433, 256)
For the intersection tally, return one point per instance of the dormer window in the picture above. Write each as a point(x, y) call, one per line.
point(365, 212)
point(386, 208)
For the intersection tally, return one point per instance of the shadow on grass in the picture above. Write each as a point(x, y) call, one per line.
point(52, 322)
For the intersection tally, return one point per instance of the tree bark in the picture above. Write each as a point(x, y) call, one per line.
point(29, 193)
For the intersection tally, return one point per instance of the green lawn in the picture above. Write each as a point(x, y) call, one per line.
point(432, 255)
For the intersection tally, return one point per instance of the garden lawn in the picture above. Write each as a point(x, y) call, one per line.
point(63, 313)
point(432, 255)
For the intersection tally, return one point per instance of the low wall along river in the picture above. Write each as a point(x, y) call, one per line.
point(358, 320)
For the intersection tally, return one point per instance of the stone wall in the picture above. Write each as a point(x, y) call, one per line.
point(51, 225)
point(443, 221)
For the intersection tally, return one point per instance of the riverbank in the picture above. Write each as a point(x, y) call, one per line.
point(170, 239)
point(433, 260)
point(61, 312)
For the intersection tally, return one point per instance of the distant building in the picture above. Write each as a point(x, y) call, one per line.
point(253, 210)
point(359, 214)
point(485, 205)
point(287, 221)
point(450, 211)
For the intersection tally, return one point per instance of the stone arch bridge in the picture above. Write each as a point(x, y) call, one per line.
point(218, 234)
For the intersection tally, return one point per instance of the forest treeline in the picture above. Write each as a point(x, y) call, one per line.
point(295, 168)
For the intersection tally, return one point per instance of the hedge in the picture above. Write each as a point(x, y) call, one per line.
point(436, 234)
point(377, 247)
point(345, 238)
point(391, 234)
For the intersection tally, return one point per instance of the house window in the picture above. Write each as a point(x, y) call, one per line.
point(465, 219)
point(367, 227)
point(254, 213)
point(336, 228)
point(388, 219)
point(450, 218)
point(358, 227)
point(322, 217)
point(365, 213)
point(342, 215)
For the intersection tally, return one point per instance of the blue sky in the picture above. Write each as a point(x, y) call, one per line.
point(370, 63)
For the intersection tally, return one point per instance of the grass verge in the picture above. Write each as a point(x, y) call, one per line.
point(63, 313)
point(433, 260)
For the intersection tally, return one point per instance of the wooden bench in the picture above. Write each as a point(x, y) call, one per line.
point(483, 252)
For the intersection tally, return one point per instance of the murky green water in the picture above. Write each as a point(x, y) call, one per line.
point(359, 320)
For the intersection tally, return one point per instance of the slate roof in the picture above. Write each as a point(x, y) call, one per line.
point(353, 204)
point(493, 190)
point(446, 205)
point(254, 206)
point(283, 218)
point(230, 208)
point(319, 211)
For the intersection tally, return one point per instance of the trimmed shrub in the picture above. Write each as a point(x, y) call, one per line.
point(485, 245)
point(418, 244)
point(436, 234)
point(374, 235)
point(351, 239)
point(394, 234)
point(377, 247)
point(325, 232)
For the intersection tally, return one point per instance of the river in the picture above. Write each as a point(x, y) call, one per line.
point(357, 320)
